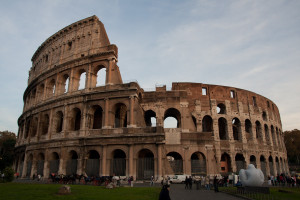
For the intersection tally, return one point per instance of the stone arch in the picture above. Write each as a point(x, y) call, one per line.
point(65, 83)
point(27, 128)
point(264, 116)
point(118, 163)
point(258, 129)
point(51, 86)
point(71, 167)
point(171, 115)
point(40, 91)
point(80, 83)
point(207, 124)
point(29, 165)
point(240, 162)
point(248, 129)
point(54, 162)
point(100, 79)
point(150, 118)
point(277, 165)
point(225, 163)
point(40, 164)
point(75, 119)
point(120, 114)
point(223, 130)
point(145, 164)
point(253, 160)
point(221, 108)
point(59, 120)
point(175, 163)
point(44, 124)
point(33, 127)
point(263, 165)
point(271, 165)
point(236, 129)
point(198, 164)
point(92, 167)
point(97, 116)
point(273, 135)
point(267, 134)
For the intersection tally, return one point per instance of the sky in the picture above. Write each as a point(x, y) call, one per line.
point(248, 44)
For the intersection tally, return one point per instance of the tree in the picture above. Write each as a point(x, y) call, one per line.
point(7, 145)
point(292, 144)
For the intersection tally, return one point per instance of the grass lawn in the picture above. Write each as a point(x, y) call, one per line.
point(21, 191)
point(288, 194)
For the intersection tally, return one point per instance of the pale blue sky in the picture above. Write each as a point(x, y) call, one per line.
point(253, 45)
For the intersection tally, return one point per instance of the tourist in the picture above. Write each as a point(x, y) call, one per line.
point(216, 184)
point(207, 183)
point(190, 180)
point(152, 179)
point(164, 193)
point(186, 182)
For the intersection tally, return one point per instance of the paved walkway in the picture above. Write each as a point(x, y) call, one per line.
point(177, 192)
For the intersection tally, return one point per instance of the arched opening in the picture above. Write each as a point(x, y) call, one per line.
point(248, 129)
point(150, 118)
point(172, 118)
point(29, 165)
point(253, 160)
point(264, 116)
point(145, 164)
point(71, 168)
point(225, 164)
point(221, 108)
point(118, 163)
point(263, 166)
point(27, 128)
point(273, 135)
point(40, 92)
point(281, 164)
point(258, 130)
point(75, 119)
point(45, 124)
point(194, 122)
point(21, 165)
point(40, 164)
point(175, 164)
point(240, 162)
point(267, 135)
point(101, 77)
point(120, 115)
point(236, 129)
point(198, 164)
point(82, 79)
point(277, 134)
point(51, 88)
point(271, 165)
point(207, 124)
point(277, 165)
point(97, 121)
point(223, 131)
point(54, 163)
point(34, 127)
point(59, 119)
point(66, 82)
point(93, 163)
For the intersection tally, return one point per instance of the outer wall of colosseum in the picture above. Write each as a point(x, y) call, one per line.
point(74, 122)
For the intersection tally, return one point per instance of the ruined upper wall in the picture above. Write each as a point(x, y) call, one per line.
point(80, 39)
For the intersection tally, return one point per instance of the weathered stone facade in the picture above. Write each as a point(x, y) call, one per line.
point(109, 129)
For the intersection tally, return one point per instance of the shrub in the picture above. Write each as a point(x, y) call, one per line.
point(8, 174)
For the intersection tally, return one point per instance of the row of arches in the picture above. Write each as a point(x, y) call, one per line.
point(265, 164)
point(65, 83)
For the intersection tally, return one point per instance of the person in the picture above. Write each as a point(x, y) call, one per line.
point(152, 179)
point(164, 193)
point(216, 184)
point(186, 182)
point(190, 182)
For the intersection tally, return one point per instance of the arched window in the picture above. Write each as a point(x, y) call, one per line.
point(82, 81)
point(225, 163)
point(240, 162)
point(93, 163)
point(27, 128)
point(221, 108)
point(34, 127)
point(273, 135)
point(253, 160)
point(40, 92)
point(263, 166)
point(97, 121)
point(236, 129)
point(75, 119)
point(45, 124)
point(54, 163)
point(271, 165)
point(66, 81)
point(120, 115)
point(59, 118)
point(51, 88)
point(71, 168)
point(207, 124)
point(101, 77)
point(145, 164)
point(40, 164)
point(223, 131)
point(150, 118)
point(248, 129)
point(264, 116)
point(172, 118)
point(258, 130)
point(267, 135)
point(198, 164)
point(118, 167)
point(175, 163)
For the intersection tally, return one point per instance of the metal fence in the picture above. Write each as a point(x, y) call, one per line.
point(92, 167)
point(198, 167)
point(118, 166)
point(145, 168)
point(71, 167)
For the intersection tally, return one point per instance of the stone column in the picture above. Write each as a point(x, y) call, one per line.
point(50, 127)
point(46, 165)
point(65, 120)
point(131, 172)
point(106, 114)
point(24, 166)
point(132, 102)
point(104, 171)
point(159, 161)
point(88, 80)
point(108, 72)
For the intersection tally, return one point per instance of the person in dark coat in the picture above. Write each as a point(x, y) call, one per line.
point(216, 182)
point(164, 193)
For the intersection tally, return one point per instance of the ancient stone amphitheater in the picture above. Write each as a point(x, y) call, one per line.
point(80, 117)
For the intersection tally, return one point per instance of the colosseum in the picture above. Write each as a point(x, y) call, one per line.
point(79, 117)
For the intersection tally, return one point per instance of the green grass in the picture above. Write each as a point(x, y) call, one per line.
point(17, 191)
point(292, 194)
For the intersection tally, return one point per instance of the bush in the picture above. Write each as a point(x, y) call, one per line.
point(8, 174)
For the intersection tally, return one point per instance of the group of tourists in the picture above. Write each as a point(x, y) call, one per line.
point(283, 180)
